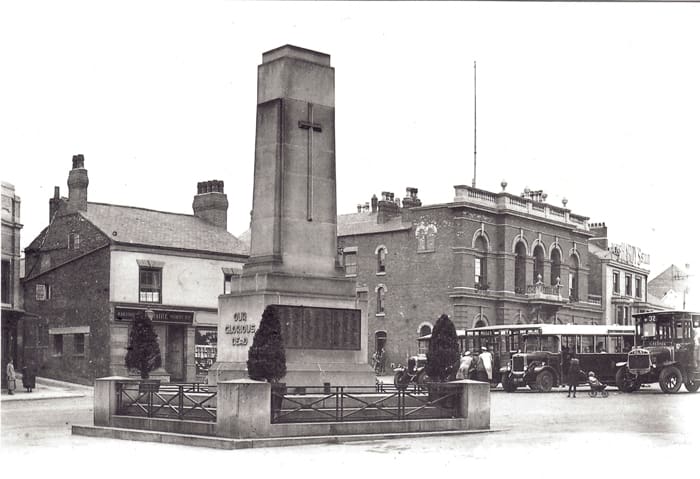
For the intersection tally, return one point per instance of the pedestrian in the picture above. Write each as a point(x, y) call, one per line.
point(484, 366)
point(29, 377)
point(382, 361)
point(11, 378)
point(465, 365)
point(573, 374)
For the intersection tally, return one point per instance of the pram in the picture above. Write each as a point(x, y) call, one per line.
point(597, 389)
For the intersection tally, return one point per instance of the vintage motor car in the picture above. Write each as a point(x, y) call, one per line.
point(538, 367)
point(667, 351)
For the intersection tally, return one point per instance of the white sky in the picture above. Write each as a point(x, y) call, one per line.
point(598, 103)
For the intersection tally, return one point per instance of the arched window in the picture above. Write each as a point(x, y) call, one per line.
point(425, 329)
point(481, 321)
point(381, 292)
point(555, 271)
point(480, 269)
point(381, 260)
point(520, 259)
point(538, 270)
point(379, 340)
point(573, 277)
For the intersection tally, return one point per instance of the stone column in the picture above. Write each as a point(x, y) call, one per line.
point(243, 409)
point(105, 399)
point(476, 404)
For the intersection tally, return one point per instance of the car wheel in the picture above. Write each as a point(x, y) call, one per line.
point(422, 378)
point(692, 386)
point(670, 379)
point(623, 383)
point(401, 380)
point(508, 385)
point(545, 381)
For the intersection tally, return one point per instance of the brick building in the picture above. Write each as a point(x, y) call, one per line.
point(12, 311)
point(618, 278)
point(96, 266)
point(484, 259)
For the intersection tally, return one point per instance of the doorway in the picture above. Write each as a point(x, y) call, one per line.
point(175, 353)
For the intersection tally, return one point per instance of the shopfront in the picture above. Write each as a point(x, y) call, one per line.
point(176, 338)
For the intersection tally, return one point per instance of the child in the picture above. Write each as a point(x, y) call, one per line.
point(593, 381)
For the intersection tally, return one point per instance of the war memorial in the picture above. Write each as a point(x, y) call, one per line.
point(330, 391)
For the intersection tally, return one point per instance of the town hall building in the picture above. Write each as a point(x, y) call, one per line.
point(484, 259)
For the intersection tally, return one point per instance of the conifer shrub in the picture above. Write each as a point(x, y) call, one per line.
point(143, 351)
point(266, 356)
point(443, 351)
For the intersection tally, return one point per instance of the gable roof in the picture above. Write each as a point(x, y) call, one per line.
point(140, 226)
point(364, 223)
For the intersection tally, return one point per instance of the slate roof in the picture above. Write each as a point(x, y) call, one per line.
point(365, 223)
point(139, 226)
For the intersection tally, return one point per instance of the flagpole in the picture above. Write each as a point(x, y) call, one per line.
point(474, 177)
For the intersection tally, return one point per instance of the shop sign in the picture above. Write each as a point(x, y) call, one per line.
point(159, 315)
point(629, 254)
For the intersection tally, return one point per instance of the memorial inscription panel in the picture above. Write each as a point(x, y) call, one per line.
point(305, 327)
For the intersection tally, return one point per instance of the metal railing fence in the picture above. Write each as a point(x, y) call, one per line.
point(356, 403)
point(171, 401)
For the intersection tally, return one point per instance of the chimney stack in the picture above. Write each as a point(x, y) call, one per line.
point(77, 185)
point(210, 204)
point(374, 203)
point(411, 200)
point(54, 203)
point(387, 207)
point(600, 235)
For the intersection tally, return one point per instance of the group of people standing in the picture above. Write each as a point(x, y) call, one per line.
point(28, 377)
point(479, 367)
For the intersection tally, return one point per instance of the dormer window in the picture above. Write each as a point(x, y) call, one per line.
point(74, 241)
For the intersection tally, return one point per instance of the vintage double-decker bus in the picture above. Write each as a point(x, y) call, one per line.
point(667, 351)
point(544, 358)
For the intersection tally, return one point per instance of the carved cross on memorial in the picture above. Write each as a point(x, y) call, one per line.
point(311, 127)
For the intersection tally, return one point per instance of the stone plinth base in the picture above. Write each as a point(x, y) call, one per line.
point(302, 374)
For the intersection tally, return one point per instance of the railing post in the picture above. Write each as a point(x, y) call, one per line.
point(181, 402)
point(342, 403)
point(150, 403)
point(337, 405)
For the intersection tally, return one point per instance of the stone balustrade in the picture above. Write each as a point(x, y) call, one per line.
point(507, 202)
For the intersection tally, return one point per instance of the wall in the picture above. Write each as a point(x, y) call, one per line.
point(194, 282)
point(79, 298)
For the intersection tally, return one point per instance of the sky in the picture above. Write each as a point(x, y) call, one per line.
point(595, 103)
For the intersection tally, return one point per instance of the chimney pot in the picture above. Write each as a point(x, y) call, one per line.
point(78, 161)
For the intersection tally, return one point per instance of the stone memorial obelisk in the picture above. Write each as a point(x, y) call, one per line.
point(293, 262)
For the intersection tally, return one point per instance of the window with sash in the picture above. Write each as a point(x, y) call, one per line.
point(150, 285)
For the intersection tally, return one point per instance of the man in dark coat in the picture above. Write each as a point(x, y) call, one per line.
point(573, 374)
